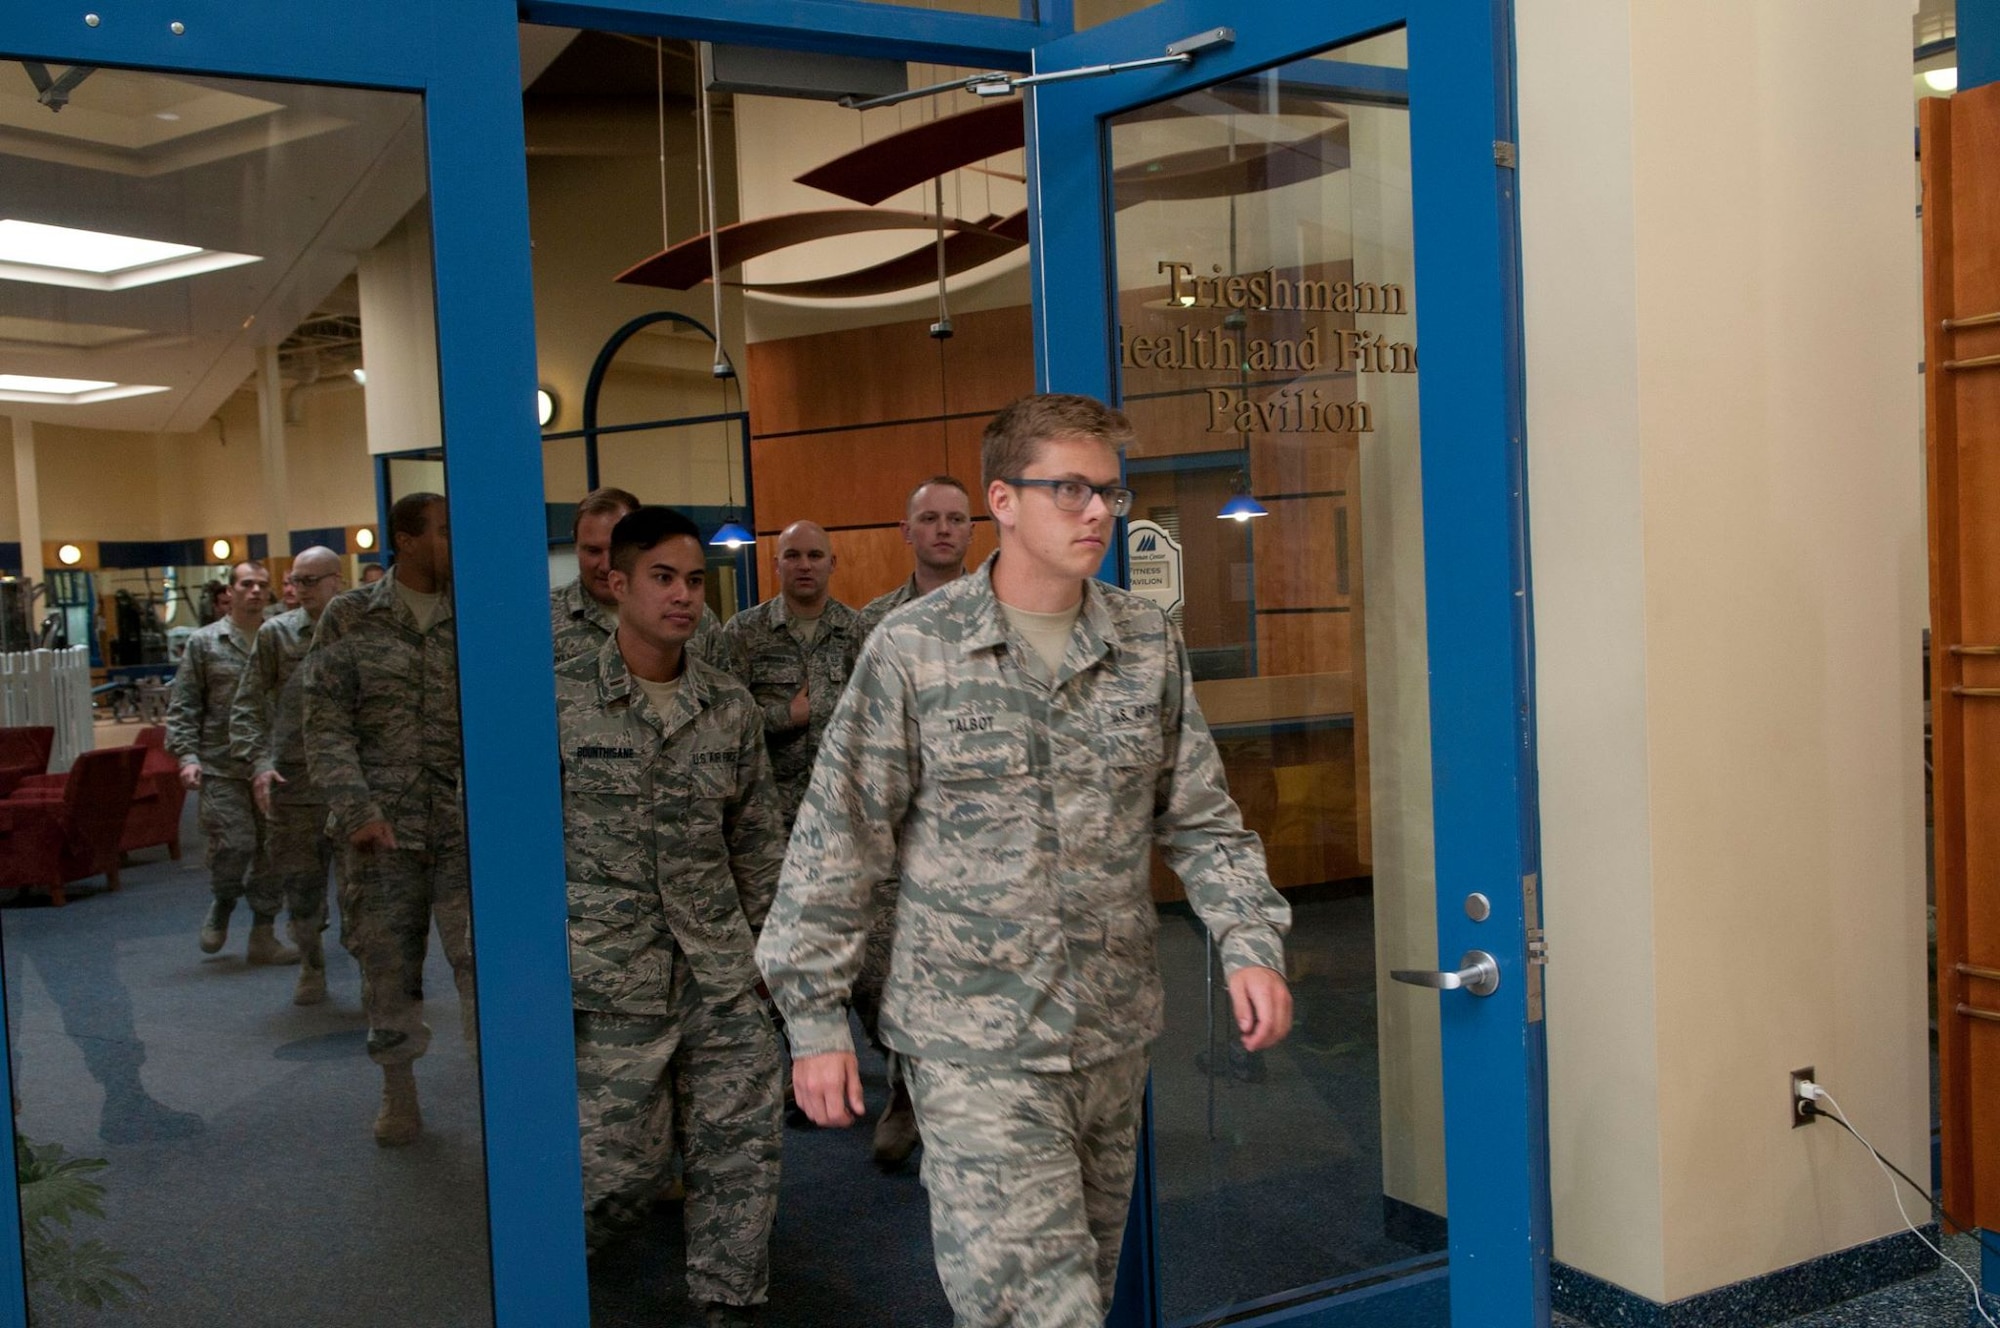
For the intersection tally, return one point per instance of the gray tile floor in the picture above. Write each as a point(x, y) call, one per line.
point(1937, 1300)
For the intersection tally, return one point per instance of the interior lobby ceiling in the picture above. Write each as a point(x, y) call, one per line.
point(304, 178)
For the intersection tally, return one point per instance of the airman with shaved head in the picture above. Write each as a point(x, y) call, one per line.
point(267, 735)
point(794, 652)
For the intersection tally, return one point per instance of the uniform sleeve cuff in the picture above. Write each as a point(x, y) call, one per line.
point(1252, 946)
point(187, 761)
point(819, 1035)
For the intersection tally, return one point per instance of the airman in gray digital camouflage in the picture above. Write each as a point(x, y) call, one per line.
point(382, 746)
point(673, 845)
point(267, 734)
point(794, 652)
point(583, 615)
point(1014, 746)
point(937, 525)
point(198, 734)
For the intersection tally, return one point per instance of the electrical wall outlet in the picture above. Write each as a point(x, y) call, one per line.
point(1801, 1114)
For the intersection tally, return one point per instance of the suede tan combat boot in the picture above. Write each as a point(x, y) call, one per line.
point(311, 989)
point(265, 947)
point(399, 1122)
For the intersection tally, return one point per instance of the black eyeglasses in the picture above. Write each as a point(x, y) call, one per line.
point(308, 582)
point(1075, 495)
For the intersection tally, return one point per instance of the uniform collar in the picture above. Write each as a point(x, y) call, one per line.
point(986, 625)
point(386, 599)
point(236, 636)
point(578, 603)
point(615, 683)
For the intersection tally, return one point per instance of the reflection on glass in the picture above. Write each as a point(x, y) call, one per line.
point(275, 755)
point(1269, 346)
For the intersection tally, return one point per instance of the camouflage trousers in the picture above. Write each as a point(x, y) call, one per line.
point(237, 865)
point(866, 996)
point(705, 1078)
point(387, 900)
point(299, 853)
point(1029, 1176)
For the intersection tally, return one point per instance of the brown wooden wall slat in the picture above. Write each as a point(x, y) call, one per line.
point(1961, 225)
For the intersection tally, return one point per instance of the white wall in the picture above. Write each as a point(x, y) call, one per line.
point(1728, 543)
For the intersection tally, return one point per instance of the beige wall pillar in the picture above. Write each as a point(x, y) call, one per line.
point(1722, 332)
point(271, 436)
point(28, 498)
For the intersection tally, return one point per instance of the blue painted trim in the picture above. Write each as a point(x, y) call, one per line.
point(330, 537)
point(260, 547)
point(10, 556)
point(513, 796)
point(1461, 101)
point(385, 541)
point(1989, 1265)
point(1978, 43)
point(840, 27)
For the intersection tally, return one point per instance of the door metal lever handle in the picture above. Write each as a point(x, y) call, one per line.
point(1478, 973)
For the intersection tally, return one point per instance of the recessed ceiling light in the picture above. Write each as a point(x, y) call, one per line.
point(99, 260)
point(1942, 80)
point(359, 375)
point(67, 391)
point(168, 116)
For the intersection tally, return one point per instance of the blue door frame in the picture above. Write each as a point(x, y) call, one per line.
point(1476, 568)
point(461, 55)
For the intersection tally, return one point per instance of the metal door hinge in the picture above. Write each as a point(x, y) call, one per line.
point(1505, 153)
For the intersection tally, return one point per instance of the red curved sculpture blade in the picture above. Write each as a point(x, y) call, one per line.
point(888, 166)
point(962, 252)
point(685, 265)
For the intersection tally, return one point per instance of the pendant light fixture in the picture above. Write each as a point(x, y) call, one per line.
point(1241, 506)
point(731, 534)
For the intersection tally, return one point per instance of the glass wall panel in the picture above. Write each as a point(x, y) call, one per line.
point(1269, 362)
point(212, 1126)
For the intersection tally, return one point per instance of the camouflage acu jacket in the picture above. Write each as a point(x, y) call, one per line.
point(670, 833)
point(267, 720)
point(773, 663)
point(580, 625)
point(381, 717)
point(875, 610)
point(1020, 818)
point(204, 690)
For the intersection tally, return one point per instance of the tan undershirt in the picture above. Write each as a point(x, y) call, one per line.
point(424, 607)
point(1046, 633)
point(805, 629)
point(661, 694)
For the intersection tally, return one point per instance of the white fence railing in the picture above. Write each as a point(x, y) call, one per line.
point(49, 687)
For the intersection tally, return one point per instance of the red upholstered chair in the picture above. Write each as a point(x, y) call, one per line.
point(24, 752)
point(58, 833)
point(157, 801)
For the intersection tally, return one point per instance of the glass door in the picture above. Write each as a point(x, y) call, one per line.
point(1334, 526)
point(236, 211)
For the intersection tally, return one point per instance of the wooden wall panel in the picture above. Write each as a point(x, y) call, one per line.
point(1299, 553)
point(858, 477)
point(1960, 150)
point(891, 371)
point(1305, 643)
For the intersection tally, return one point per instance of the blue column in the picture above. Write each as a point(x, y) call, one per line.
point(1978, 42)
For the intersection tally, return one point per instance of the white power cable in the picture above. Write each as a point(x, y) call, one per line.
point(1815, 1091)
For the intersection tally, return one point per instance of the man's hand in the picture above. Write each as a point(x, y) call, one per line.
point(1263, 1006)
point(802, 709)
point(191, 775)
point(377, 835)
point(828, 1088)
point(260, 790)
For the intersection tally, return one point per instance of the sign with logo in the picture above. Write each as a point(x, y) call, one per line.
point(1154, 556)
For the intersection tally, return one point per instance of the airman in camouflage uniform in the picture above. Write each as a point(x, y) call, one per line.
point(382, 746)
point(267, 733)
point(794, 652)
point(673, 845)
point(1017, 779)
point(198, 733)
point(582, 614)
point(937, 525)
